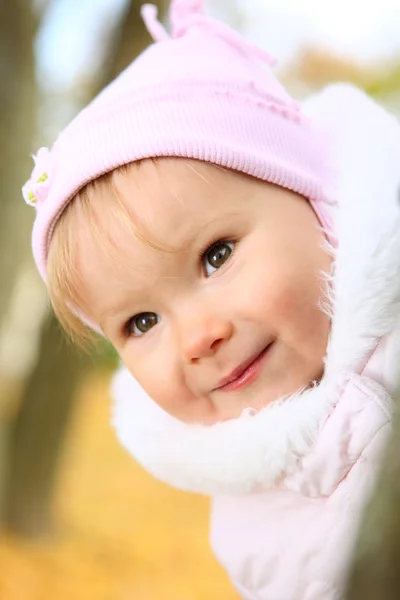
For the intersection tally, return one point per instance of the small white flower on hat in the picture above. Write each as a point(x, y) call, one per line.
point(36, 188)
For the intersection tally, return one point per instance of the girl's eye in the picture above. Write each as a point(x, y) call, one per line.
point(140, 324)
point(216, 256)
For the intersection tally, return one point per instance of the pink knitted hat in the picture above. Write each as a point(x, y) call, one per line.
point(202, 93)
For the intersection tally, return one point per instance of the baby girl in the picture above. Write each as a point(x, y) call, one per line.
point(242, 254)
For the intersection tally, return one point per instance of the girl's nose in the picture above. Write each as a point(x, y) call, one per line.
point(202, 335)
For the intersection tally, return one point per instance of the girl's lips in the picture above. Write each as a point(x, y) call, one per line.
point(244, 373)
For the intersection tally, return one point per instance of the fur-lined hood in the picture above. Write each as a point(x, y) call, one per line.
point(254, 451)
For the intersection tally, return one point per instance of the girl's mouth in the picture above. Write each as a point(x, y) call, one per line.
point(245, 373)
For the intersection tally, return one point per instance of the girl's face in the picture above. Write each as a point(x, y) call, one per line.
point(216, 307)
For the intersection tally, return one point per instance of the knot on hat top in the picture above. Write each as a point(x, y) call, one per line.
point(185, 14)
point(182, 15)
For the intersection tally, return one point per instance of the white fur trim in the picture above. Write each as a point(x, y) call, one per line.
point(229, 457)
point(254, 451)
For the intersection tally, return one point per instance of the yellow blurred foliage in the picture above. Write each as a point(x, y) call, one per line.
point(317, 68)
point(121, 535)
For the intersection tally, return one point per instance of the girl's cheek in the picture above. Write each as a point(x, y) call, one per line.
point(150, 367)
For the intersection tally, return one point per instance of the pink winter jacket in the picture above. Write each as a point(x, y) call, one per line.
point(289, 482)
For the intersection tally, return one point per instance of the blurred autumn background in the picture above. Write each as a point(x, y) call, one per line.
point(78, 517)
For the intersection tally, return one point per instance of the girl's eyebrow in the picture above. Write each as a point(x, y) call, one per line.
point(189, 239)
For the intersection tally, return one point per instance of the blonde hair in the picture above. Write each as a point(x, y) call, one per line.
point(63, 277)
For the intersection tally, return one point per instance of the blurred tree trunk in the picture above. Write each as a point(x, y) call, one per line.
point(18, 104)
point(38, 432)
point(130, 39)
point(376, 568)
point(49, 395)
